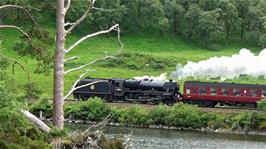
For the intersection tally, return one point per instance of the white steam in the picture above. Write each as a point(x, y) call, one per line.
point(244, 63)
point(160, 78)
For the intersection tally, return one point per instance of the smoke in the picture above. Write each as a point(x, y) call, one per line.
point(224, 67)
point(160, 78)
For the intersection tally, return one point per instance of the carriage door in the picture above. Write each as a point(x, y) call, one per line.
point(188, 91)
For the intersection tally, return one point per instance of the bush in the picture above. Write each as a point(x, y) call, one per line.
point(93, 109)
point(134, 116)
point(213, 120)
point(183, 115)
point(42, 105)
point(15, 130)
point(262, 104)
point(158, 116)
point(245, 120)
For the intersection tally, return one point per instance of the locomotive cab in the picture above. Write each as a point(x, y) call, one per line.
point(118, 87)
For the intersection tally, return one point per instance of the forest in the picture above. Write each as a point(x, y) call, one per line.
point(211, 23)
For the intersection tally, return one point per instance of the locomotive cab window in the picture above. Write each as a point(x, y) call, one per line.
point(202, 90)
point(119, 84)
point(225, 91)
point(213, 91)
point(236, 92)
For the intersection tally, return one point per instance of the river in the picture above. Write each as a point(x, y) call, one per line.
point(174, 139)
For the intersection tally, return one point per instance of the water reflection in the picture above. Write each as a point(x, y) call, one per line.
point(172, 139)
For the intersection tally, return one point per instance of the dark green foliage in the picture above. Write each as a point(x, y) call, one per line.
point(38, 48)
point(183, 115)
point(43, 105)
point(208, 21)
point(158, 116)
point(262, 104)
point(15, 130)
point(32, 91)
point(94, 109)
point(214, 120)
point(131, 116)
point(139, 61)
point(247, 120)
point(3, 63)
point(262, 40)
point(55, 132)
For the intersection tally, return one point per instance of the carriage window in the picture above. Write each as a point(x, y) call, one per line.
point(245, 92)
point(213, 91)
point(224, 91)
point(253, 93)
point(236, 92)
point(263, 92)
point(193, 91)
point(188, 91)
point(202, 90)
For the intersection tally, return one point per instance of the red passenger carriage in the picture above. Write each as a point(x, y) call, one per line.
point(209, 94)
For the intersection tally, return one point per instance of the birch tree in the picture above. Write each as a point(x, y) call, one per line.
point(63, 30)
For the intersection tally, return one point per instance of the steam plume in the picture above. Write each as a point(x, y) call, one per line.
point(162, 77)
point(243, 63)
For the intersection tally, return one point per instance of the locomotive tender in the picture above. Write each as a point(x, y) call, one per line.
point(131, 90)
point(150, 91)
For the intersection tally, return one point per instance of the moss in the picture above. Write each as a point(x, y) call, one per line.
point(114, 143)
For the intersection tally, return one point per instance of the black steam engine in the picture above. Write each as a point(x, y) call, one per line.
point(130, 90)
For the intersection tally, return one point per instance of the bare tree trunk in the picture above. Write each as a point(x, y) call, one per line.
point(58, 112)
point(41, 125)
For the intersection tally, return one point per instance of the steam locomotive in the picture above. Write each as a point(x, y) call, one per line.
point(131, 90)
point(149, 91)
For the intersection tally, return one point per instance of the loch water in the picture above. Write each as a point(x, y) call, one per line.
point(143, 138)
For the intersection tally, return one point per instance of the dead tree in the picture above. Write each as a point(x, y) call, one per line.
point(61, 34)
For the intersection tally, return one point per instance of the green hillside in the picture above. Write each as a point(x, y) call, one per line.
point(144, 54)
point(157, 35)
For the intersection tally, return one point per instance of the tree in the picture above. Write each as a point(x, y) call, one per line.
point(229, 16)
point(27, 114)
point(191, 20)
point(143, 14)
point(174, 12)
point(61, 34)
point(106, 12)
point(242, 6)
point(209, 27)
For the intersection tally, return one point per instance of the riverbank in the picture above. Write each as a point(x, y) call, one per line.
point(179, 116)
point(204, 130)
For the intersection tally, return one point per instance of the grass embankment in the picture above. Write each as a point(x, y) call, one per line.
point(144, 54)
point(180, 115)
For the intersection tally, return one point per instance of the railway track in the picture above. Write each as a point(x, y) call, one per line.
point(206, 109)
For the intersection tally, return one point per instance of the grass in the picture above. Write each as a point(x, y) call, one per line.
point(143, 54)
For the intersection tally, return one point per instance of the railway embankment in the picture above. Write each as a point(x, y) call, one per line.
point(179, 116)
